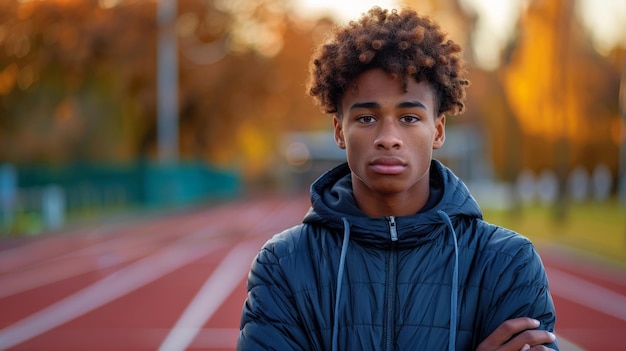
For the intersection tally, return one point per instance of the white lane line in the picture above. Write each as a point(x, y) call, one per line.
point(107, 253)
point(225, 278)
point(102, 292)
point(18, 282)
point(120, 283)
point(141, 229)
point(50, 247)
point(588, 294)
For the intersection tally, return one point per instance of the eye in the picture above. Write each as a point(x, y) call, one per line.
point(367, 119)
point(409, 119)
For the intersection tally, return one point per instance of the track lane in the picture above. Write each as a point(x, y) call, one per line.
point(64, 317)
point(143, 314)
point(590, 299)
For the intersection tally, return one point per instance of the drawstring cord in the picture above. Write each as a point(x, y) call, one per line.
point(342, 264)
point(455, 284)
point(454, 288)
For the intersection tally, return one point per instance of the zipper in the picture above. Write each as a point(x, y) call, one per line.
point(389, 326)
point(392, 228)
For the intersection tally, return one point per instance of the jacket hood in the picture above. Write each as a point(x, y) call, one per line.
point(332, 202)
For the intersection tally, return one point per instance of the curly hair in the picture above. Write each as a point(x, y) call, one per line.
point(402, 43)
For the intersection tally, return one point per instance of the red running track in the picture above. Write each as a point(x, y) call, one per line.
point(177, 282)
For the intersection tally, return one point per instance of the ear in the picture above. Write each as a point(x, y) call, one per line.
point(440, 131)
point(339, 139)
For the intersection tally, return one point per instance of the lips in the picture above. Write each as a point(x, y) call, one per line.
point(388, 165)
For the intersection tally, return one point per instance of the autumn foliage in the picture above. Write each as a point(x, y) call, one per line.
point(78, 83)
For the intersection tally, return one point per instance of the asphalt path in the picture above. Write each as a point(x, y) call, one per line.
point(177, 282)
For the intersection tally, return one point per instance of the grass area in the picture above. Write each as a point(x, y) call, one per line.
point(31, 223)
point(598, 229)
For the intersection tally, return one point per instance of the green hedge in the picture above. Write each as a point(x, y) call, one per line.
point(140, 183)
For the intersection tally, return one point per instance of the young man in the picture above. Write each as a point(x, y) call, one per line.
point(394, 254)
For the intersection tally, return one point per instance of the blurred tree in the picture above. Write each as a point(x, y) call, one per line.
point(235, 104)
point(77, 80)
point(77, 72)
point(562, 93)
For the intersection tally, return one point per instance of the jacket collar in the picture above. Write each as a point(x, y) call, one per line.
point(332, 200)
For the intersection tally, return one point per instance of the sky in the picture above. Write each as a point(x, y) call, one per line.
point(496, 23)
point(605, 19)
point(345, 10)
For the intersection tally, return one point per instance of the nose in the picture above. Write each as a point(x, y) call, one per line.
point(388, 137)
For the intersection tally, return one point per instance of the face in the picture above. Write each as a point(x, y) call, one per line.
point(389, 135)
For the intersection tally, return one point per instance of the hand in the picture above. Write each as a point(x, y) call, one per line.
point(528, 339)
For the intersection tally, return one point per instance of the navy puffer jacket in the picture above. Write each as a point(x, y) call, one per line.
point(440, 279)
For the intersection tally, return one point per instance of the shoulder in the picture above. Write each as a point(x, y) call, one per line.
point(300, 251)
point(483, 235)
point(502, 248)
point(284, 243)
point(298, 241)
point(267, 268)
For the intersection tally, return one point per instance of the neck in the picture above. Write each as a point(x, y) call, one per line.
point(393, 204)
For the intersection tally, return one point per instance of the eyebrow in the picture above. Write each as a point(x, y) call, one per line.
point(410, 104)
point(374, 105)
point(368, 105)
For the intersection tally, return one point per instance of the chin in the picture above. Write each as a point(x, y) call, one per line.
point(388, 189)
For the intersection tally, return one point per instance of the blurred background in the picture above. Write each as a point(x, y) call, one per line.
point(116, 107)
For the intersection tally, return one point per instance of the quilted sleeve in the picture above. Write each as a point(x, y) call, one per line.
point(269, 319)
point(522, 289)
